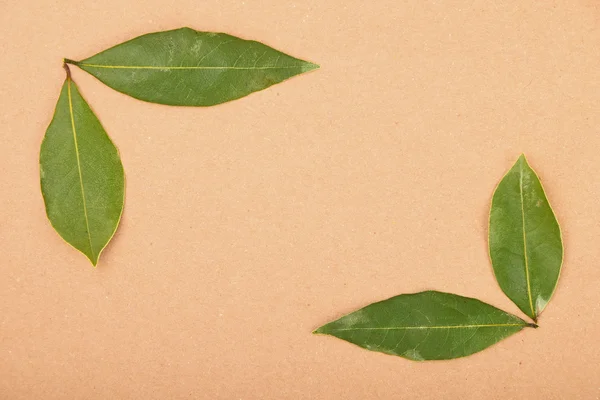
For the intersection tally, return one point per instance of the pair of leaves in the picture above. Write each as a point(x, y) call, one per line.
point(525, 247)
point(81, 173)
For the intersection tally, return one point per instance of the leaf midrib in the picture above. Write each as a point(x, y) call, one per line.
point(87, 224)
point(181, 67)
point(525, 256)
point(426, 327)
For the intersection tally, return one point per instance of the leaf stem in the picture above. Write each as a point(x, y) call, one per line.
point(535, 326)
point(66, 67)
point(69, 61)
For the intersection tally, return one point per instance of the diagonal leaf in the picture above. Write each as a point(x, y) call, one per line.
point(524, 240)
point(426, 326)
point(185, 67)
point(81, 175)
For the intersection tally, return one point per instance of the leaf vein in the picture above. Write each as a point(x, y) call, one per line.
point(525, 242)
point(87, 223)
point(156, 67)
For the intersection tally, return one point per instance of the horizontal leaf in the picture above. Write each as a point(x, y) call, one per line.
point(190, 68)
point(81, 175)
point(524, 240)
point(426, 326)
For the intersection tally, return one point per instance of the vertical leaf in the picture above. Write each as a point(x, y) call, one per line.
point(426, 326)
point(186, 67)
point(81, 175)
point(524, 240)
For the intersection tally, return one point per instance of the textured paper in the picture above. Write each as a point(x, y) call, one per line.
point(250, 224)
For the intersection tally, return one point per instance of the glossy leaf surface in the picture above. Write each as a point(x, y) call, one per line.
point(426, 326)
point(190, 68)
point(524, 240)
point(81, 175)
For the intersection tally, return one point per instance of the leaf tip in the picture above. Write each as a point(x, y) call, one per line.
point(319, 331)
point(523, 158)
point(94, 261)
point(308, 66)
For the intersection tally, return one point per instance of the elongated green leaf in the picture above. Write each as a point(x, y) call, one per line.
point(426, 326)
point(185, 67)
point(81, 175)
point(524, 239)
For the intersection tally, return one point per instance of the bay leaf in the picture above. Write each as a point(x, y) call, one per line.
point(185, 67)
point(428, 325)
point(81, 175)
point(525, 242)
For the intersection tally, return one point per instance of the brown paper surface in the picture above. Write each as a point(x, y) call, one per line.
point(249, 224)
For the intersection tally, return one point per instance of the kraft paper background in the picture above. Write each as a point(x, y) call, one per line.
point(249, 224)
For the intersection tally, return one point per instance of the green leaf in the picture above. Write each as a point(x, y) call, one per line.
point(426, 326)
point(81, 175)
point(184, 67)
point(524, 240)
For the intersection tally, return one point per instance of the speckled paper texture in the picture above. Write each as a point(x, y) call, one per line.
point(249, 224)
